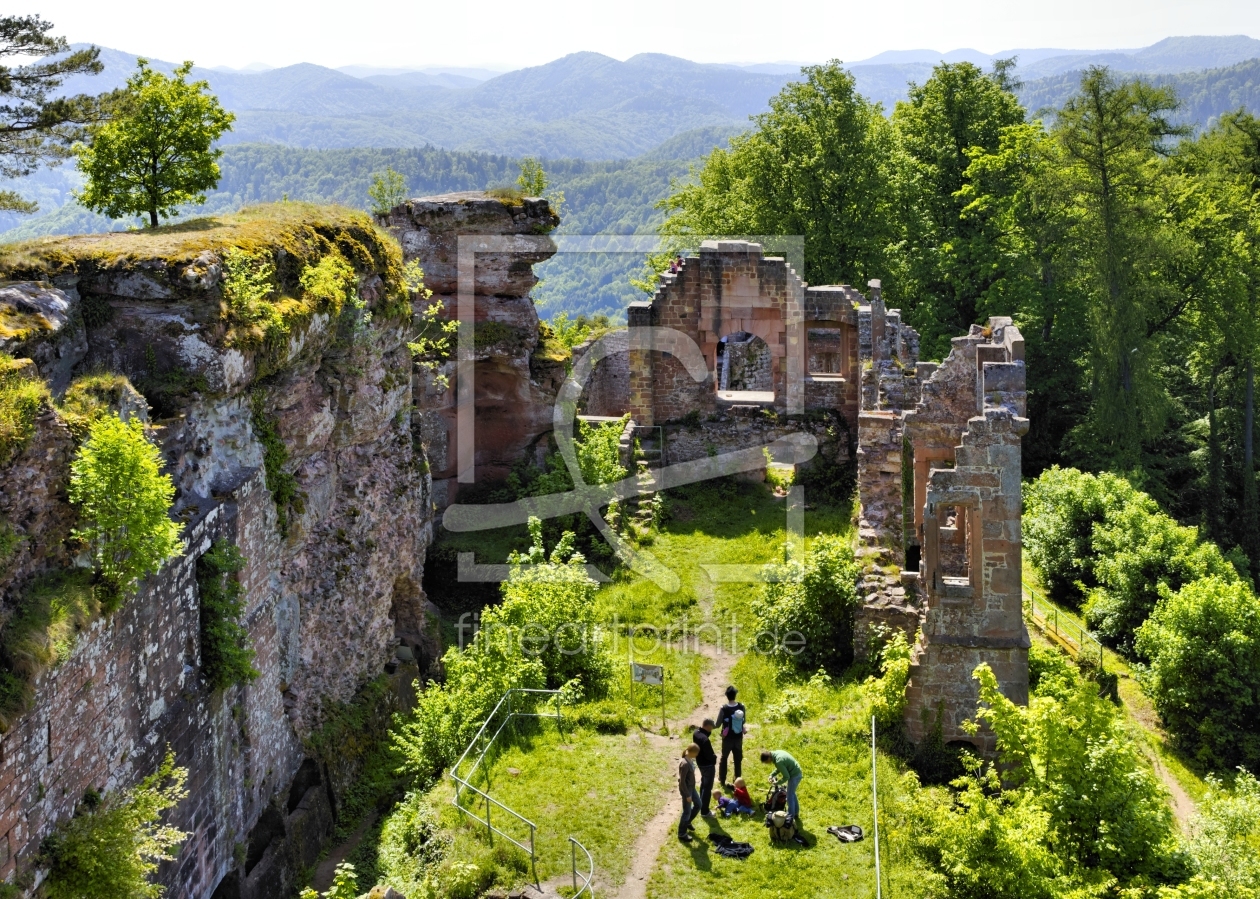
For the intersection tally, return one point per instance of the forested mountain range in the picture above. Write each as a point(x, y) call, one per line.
point(590, 106)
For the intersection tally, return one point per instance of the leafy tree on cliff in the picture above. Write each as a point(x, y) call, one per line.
point(116, 481)
point(157, 153)
point(35, 126)
point(817, 165)
point(389, 189)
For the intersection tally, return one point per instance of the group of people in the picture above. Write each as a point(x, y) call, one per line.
point(699, 756)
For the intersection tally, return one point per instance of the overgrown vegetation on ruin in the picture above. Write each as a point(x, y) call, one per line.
point(226, 654)
point(21, 398)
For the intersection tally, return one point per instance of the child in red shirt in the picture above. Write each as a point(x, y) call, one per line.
point(740, 793)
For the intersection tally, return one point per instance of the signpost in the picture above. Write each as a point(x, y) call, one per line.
point(653, 676)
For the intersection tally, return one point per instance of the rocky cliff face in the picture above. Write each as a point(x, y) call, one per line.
point(515, 376)
point(297, 447)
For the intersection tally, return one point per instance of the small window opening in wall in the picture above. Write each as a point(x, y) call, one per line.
point(745, 369)
point(953, 541)
point(825, 351)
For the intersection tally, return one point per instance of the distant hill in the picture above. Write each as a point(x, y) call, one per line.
point(590, 106)
point(1204, 95)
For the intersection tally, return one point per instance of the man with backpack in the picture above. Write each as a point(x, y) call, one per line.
point(730, 723)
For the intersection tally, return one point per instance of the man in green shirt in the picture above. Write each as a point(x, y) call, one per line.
point(789, 772)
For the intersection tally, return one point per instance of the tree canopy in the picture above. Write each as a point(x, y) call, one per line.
point(157, 151)
point(36, 126)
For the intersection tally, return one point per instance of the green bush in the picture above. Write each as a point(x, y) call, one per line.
point(89, 397)
point(1224, 841)
point(542, 635)
point(124, 501)
point(412, 846)
point(816, 599)
point(603, 716)
point(345, 885)
point(21, 398)
point(226, 656)
point(549, 608)
point(1096, 538)
point(1061, 508)
point(112, 844)
point(888, 691)
point(1204, 645)
point(1068, 808)
point(1137, 552)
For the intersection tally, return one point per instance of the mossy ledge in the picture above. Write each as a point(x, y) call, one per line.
point(183, 263)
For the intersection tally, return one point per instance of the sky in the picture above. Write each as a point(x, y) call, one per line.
point(511, 34)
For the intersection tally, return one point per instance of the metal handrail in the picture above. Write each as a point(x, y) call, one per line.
point(586, 878)
point(1076, 639)
point(463, 783)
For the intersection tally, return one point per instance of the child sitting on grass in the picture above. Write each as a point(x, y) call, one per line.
point(728, 806)
point(741, 793)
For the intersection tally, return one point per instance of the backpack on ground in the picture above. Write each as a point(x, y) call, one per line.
point(782, 827)
point(776, 799)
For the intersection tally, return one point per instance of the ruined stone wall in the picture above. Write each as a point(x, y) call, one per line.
point(326, 603)
point(968, 516)
point(515, 380)
point(607, 391)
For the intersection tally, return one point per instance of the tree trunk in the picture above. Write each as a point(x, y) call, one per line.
point(153, 221)
point(1216, 485)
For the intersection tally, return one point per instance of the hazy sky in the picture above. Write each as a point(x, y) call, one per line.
point(510, 34)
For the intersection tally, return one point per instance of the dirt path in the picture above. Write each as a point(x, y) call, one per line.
point(325, 870)
point(664, 826)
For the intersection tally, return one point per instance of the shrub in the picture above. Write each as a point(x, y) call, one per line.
point(248, 285)
point(93, 396)
point(21, 399)
point(1138, 551)
point(112, 844)
point(888, 691)
point(603, 716)
point(1224, 841)
point(124, 500)
point(1204, 645)
point(1106, 809)
point(345, 885)
point(1061, 508)
point(1068, 808)
point(816, 599)
point(412, 846)
point(549, 609)
point(226, 656)
point(1095, 537)
point(542, 635)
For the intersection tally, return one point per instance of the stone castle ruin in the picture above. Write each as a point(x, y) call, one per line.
point(334, 598)
point(937, 448)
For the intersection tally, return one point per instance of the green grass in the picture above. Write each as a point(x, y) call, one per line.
point(834, 752)
point(602, 789)
point(599, 789)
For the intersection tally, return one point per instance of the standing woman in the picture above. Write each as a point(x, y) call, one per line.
point(730, 723)
point(687, 789)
